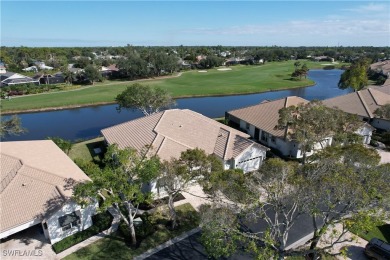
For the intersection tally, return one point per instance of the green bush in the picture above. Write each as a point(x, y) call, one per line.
point(101, 222)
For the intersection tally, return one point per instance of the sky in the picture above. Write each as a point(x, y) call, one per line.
point(172, 23)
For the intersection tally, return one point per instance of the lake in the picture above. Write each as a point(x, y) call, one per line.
point(86, 122)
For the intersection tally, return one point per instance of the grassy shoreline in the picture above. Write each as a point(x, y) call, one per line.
point(46, 109)
point(240, 80)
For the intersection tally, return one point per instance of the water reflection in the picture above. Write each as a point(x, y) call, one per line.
point(85, 123)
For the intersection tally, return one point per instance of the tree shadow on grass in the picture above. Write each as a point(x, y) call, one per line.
point(97, 157)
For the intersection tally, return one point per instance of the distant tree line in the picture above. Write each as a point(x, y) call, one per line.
point(160, 60)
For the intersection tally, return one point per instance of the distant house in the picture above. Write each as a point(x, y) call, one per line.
point(259, 121)
point(31, 68)
point(50, 79)
point(11, 78)
point(363, 103)
point(109, 71)
point(74, 70)
point(41, 65)
point(37, 180)
point(173, 131)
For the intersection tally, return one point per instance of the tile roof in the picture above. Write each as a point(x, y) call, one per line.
point(382, 66)
point(362, 103)
point(385, 88)
point(36, 178)
point(173, 131)
point(265, 115)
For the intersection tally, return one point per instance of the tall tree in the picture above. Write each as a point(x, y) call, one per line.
point(356, 76)
point(64, 145)
point(344, 186)
point(92, 74)
point(121, 180)
point(11, 126)
point(147, 99)
point(383, 111)
point(312, 124)
point(272, 196)
point(178, 175)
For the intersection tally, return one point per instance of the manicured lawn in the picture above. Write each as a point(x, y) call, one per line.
point(382, 232)
point(115, 246)
point(238, 80)
point(84, 150)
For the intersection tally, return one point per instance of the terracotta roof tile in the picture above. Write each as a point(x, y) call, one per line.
point(265, 115)
point(173, 131)
point(362, 103)
point(43, 181)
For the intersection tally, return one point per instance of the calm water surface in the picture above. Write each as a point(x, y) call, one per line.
point(86, 123)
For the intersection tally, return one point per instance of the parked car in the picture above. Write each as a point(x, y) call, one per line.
point(377, 249)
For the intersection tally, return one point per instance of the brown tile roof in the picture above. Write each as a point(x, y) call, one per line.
point(265, 115)
point(385, 88)
point(173, 131)
point(362, 103)
point(382, 66)
point(36, 177)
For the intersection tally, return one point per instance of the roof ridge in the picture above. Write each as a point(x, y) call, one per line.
point(364, 104)
point(159, 148)
point(372, 95)
point(166, 137)
point(227, 144)
point(285, 102)
point(12, 175)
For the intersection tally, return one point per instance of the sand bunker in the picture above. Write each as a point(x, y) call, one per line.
point(224, 69)
point(202, 70)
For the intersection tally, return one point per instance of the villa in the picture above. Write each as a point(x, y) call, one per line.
point(173, 131)
point(37, 180)
point(259, 121)
point(364, 103)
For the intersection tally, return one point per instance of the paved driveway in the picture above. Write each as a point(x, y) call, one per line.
point(27, 244)
point(385, 156)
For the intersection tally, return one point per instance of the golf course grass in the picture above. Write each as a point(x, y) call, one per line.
point(239, 80)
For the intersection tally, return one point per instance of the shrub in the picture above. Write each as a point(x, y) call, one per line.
point(101, 222)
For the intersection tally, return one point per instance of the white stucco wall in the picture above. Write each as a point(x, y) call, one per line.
point(381, 123)
point(366, 133)
point(55, 233)
point(250, 160)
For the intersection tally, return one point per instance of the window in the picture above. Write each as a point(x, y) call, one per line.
point(264, 136)
point(69, 221)
point(247, 125)
point(273, 139)
point(45, 225)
